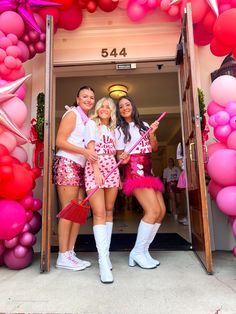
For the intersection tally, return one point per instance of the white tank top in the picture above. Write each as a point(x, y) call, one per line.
point(76, 138)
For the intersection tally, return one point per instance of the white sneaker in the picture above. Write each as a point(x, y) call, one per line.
point(183, 221)
point(66, 261)
point(80, 261)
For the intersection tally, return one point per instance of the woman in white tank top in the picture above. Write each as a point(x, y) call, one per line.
point(68, 173)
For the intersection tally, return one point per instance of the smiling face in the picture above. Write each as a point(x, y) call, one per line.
point(86, 99)
point(104, 112)
point(125, 108)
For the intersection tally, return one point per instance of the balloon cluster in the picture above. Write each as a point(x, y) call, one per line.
point(19, 217)
point(221, 166)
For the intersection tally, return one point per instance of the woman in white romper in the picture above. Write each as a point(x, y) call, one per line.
point(100, 137)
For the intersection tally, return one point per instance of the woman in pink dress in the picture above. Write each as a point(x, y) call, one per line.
point(139, 179)
point(100, 138)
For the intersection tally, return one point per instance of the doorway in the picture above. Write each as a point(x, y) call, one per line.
point(154, 87)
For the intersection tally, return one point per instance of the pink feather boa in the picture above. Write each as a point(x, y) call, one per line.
point(143, 182)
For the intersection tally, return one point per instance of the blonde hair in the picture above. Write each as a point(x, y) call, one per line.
point(112, 106)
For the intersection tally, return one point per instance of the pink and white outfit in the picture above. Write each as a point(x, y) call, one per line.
point(138, 171)
point(68, 168)
point(105, 149)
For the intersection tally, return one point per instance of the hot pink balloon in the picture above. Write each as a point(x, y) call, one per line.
point(27, 202)
point(214, 147)
point(201, 36)
point(232, 122)
point(231, 108)
point(226, 200)
point(16, 263)
point(12, 219)
point(135, 11)
point(27, 239)
point(212, 121)
point(12, 23)
point(222, 117)
point(20, 154)
point(221, 167)
point(223, 89)
point(222, 132)
point(231, 141)
point(20, 251)
point(214, 188)
point(37, 204)
point(11, 243)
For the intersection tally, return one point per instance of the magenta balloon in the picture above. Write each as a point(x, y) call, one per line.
point(20, 251)
point(213, 189)
point(12, 219)
point(214, 147)
point(226, 200)
point(29, 215)
point(232, 122)
point(36, 222)
point(223, 89)
point(213, 108)
point(11, 243)
point(2, 247)
point(221, 167)
point(13, 262)
point(212, 121)
point(222, 117)
point(27, 239)
point(27, 202)
point(32, 51)
point(39, 47)
point(231, 108)
point(222, 132)
point(25, 38)
point(37, 204)
point(34, 36)
point(12, 23)
point(231, 140)
point(26, 228)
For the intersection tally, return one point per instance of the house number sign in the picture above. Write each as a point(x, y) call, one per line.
point(113, 52)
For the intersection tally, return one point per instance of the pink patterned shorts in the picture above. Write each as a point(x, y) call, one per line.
point(105, 163)
point(67, 172)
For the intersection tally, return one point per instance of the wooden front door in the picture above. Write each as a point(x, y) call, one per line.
point(198, 208)
point(48, 151)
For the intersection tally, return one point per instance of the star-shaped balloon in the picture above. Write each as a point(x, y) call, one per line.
point(6, 93)
point(25, 8)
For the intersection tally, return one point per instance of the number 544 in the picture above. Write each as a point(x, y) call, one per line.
point(105, 52)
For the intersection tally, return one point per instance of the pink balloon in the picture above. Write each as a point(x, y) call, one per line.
point(223, 89)
point(226, 200)
point(21, 92)
point(20, 154)
point(20, 251)
point(27, 239)
point(214, 147)
point(165, 5)
point(12, 23)
point(212, 121)
point(24, 51)
point(2, 247)
point(221, 167)
point(39, 47)
point(8, 140)
point(10, 62)
point(26, 228)
point(5, 42)
point(11, 243)
point(34, 36)
point(213, 189)
point(232, 122)
point(29, 215)
point(37, 204)
point(25, 131)
point(27, 202)
point(222, 132)
point(222, 117)
point(12, 219)
point(4, 71)
point(13, 51)
point(14, 262)
point(40, 21)
point(234, 227)
point(13, 38)
point(16, 110)
point(2, 54)
point(135, 11)
point(15, 74)
point(231, 108)
point(36, 222)
point(213, 108)
point(231, 140)
point(199, 10)
point(122, 4)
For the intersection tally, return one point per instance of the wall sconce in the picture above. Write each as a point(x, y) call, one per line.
point(117, 90)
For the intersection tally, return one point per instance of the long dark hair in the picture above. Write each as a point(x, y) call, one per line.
point(82, 88)
point(123, 125)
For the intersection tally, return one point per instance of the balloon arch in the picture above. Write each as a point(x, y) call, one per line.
point(22, 36)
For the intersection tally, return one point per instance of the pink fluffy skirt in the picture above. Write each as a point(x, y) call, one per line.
point(142, 182)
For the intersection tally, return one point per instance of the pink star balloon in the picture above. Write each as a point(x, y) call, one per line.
point(25, 8)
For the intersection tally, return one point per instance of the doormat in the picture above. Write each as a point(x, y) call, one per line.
point(125, 242)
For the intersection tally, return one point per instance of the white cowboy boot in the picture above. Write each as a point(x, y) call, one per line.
point(156, 226)
point(109, 226)
point(137, 255)
point(100, 235)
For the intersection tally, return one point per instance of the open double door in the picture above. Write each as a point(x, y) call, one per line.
point(198, 210)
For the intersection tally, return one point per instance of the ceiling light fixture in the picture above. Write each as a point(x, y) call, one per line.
point(117, 90)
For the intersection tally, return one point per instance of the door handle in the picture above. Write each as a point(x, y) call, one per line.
point(192, 152)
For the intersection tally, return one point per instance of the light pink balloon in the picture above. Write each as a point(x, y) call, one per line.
point(226, 200)
point(26, 131)
point(222, 117)
point(8, 139)
point(231, 108)
point(231, 141)
point(24, 55)
point(214, 147)
point(12, 23)
point(16, 110)
point(222, 132)
point(223, 89)
point(213, 189)
point(213, 108)
point(20, 154)
point(221, 167)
